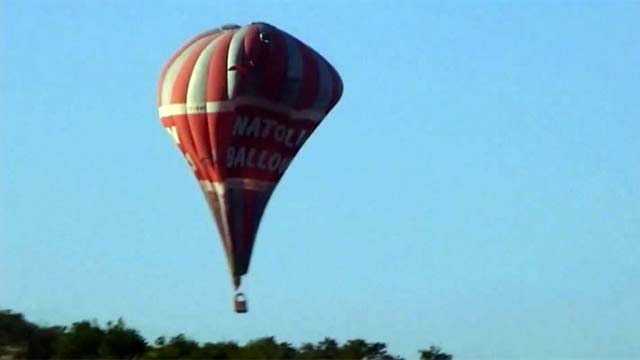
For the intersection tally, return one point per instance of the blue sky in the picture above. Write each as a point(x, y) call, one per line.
point(477, 187)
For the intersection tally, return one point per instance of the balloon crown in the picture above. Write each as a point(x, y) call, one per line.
point(229, 27)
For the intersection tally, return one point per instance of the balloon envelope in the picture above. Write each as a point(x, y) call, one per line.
point(239, 102)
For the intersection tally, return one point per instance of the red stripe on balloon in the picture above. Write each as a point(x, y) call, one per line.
point(310, 75)
point(163, 73)
point(275, 66)
point(181, 83)
point(188, 137)
point(250, 43)
point(199, 128)
point(249, 233)
point(217, 91)
point(336, 88)
point(217, 145)
point(217, 77)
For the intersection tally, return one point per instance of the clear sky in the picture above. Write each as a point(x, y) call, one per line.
point(477, 187)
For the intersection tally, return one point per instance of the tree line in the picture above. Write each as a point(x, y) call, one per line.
point(22, 339)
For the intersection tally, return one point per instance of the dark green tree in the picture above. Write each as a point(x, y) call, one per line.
point(160, 341)
point(121, 342)
point(21, 338)
point(43, 341)
point(178, 346)
point(434, 353)
point(13, 328)
point(307, 351)
point(14, 333)
point(268, 348)
point(219, 350)
point(327, 349)
point(360, 349)
point(83, 340)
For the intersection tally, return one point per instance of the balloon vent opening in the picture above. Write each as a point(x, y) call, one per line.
point(229, 27)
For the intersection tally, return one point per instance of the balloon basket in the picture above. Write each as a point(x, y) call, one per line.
point(240, 303)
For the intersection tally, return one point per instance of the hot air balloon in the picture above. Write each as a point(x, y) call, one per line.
point(239, 102)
